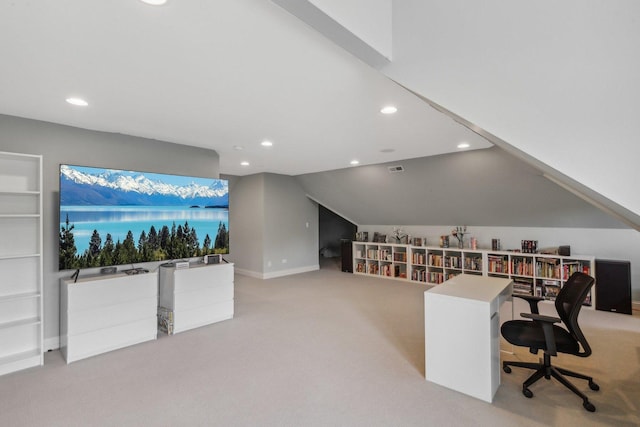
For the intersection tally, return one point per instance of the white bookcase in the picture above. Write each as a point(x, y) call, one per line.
point(21, 327)
point(107, 312)
point(535, 274)
point(196, 296)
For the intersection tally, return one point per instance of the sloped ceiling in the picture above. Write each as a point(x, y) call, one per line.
point(559, 90)
point(483, 188)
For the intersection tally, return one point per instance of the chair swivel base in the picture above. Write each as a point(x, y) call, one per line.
point(547, 371)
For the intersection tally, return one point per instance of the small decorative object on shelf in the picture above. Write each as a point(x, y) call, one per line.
point(444, 241)
point(529, 246)
point(399, 235)
point(362, 236)
point(473, 243)
point(495, 244)
point(459, 233)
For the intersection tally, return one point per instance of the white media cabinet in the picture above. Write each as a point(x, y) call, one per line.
point(196, 296)
point(536, 274)
point(21, 327)
point(107, 312)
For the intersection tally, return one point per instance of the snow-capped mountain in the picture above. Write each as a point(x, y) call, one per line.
point(109, 187)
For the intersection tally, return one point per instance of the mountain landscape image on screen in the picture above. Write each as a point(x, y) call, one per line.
point(116, 217)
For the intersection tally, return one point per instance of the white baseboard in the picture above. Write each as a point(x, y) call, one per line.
point(51, 344)
point(279, 273)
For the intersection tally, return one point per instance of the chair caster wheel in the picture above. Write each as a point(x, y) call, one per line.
point(593, 386)
point(507, 369)
point(527, 393)
point(589, 406)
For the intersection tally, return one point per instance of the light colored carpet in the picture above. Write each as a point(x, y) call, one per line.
point(317, 349)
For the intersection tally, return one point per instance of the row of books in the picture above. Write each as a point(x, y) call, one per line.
point(523, 287)
point(521, 267)
point(453, 261)
point(569, 268)
point(473, 264)
point(498, 264)
point(419, 274)
point(418, 258)
point(435, 260)
point(548, 268)
point(400, 256)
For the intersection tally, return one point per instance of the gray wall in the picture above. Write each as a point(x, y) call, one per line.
point(291, 225)
point(276, 226)
point(246, 222)
point(482, 187)
point(63, 144)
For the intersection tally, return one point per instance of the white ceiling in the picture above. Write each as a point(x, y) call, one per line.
point(213, 74)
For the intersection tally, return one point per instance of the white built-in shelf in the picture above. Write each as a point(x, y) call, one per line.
point(24, 295)
point(21, 272)
point(533, 274)
point(21, 322)
point(18, 256)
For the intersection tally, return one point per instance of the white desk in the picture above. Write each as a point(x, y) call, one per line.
point(462, 336)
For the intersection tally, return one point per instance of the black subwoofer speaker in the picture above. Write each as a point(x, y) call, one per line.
point(346, 251)
point(613, 286)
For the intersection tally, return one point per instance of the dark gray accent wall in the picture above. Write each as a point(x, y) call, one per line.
point(332, 229)
point(63, 144)
point(486, 187)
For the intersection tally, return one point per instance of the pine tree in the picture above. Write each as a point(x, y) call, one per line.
point(129, 252)
point(154, 241)
point(143, 247)
point(206, 246)
point(94, 244)
point(165, 238)
point(67, 255)
point(192, 243)
point(222, 239)
point(106, 255)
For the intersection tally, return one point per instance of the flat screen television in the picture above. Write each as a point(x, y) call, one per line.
point(112, 217)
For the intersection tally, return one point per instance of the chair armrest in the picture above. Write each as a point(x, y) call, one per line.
point(532, 300)
point(547, 327)
point(541, 317)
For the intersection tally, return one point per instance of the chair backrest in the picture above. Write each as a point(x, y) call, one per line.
point(568, 304)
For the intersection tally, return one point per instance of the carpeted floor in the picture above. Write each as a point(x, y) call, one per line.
point(317, 349)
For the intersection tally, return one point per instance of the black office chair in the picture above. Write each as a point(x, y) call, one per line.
point(540, 333)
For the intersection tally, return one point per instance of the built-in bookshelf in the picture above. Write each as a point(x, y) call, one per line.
point(532, 274)
point(21, 327)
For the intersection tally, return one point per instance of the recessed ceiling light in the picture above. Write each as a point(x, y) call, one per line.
point(244, 163)
point(77, 101)
point(387, 150)
point(266, 143)
point(463, 145)
point(154, 2)
point(354, 162)
point(389, 109)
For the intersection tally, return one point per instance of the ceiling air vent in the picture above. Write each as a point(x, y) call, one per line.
point(395, 169)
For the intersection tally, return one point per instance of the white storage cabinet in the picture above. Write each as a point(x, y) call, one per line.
point(104, 313)
point(199, 295)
